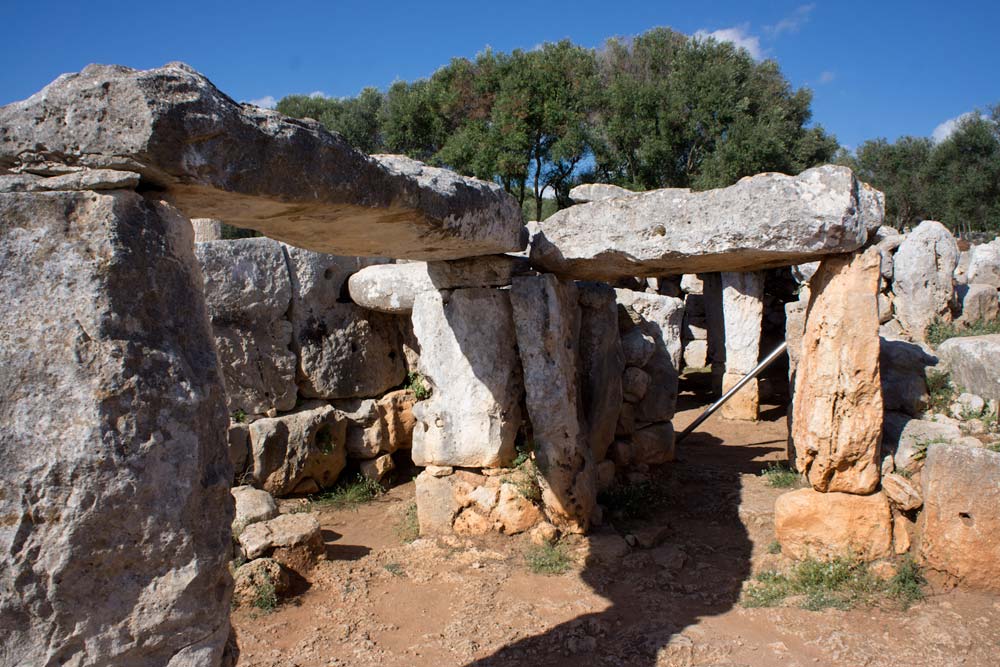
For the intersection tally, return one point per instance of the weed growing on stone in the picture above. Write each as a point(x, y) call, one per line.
point(937, 331)
point(994, 447)
point(408, 528)
point(774, 547)
point(780, 476)
point(526, 481)
point(940, 390)
point(265, 597)
point(349, 494)
point(239, 416)
point(523, 453)
point(547, 559)
point(395, 569)
point(841, 583)
point(415, 382)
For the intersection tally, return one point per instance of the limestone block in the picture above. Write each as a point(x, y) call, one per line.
point(547, 321)
point(288, 178)
point(832, 525)
point(115, 510)
point(602, 362)
point(468, 356)
point(923, 281)
point(783, 220)
point(837, 412)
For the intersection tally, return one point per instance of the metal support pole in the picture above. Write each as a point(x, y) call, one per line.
point(767, 361)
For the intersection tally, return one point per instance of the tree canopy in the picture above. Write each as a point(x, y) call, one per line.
point(659, 110)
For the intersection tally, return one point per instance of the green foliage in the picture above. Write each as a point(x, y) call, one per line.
point(774, 547)
point(349, 494)
point(994, 447)
point(357, 119)
point(940, 390)
point(324, 440)
point(547, 559)
point(408, 527)
point(265, 598)
point(841, 583)
point(633, 501)
point(230, 233)
point(937, 331)
point(524, 451)
point(780, 476)
point(239, 416)
point(415, 382)
point(956, 181)
point(395, 569)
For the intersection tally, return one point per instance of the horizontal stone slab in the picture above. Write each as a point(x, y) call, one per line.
point(392, 288)
point(762, 221)
point(255, 168)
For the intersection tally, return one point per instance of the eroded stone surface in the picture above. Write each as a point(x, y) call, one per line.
point(602, 362)
point(837, 412)
point(973, 362)
point(762, 221)
point(923, 281)
point(115, 509)
point(833, 525)
point(255, 168)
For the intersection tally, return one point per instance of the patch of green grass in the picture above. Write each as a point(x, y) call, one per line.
point(633, 501)
point(348, 494)
point(904, 473)
point(940, 390)
point(780, 476)
point(526, 481)
point(415, 382)
point(774, 547)
point(907, 585)
point(937, 331)
point(547, 559)
point(395, 569)
point(523, 453)
point(841, 583)
point(408, 528)
point(265, 597)
point(920, 448)
point(239, 416)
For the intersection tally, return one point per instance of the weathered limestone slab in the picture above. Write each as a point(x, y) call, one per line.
point(293, 540)
point(115, 509)
point(974, 363)
point(469, 357)
point(761, 222)
point(288, 178)
point(299, 452)
point(659, 318)
point(547, 320)
point(837, 413)
point(392, 288)
point(979, 303)
point(344, 351)
point(984, 264)
point(252, 506)
point(961, 516)
point(833, 525)
point(602, 363)
point(82, 180)
point(248, 294)
point(379, 426)
point(588, 192)
point(923, 280)
point(205, 229)
point(743, 312)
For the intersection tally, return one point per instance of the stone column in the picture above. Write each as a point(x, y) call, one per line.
point(837, 414)
point(743, 310)
point(115, 509)
point(547, 319)
point(716, 328)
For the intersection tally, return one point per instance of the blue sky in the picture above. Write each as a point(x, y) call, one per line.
point(876, 68)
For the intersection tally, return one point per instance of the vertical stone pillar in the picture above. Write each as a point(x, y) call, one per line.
point(716, 328)
point(837, 413)
point(743, 310)
point(547, 320)
point(115, 510)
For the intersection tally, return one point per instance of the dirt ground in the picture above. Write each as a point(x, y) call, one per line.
point(377, 600)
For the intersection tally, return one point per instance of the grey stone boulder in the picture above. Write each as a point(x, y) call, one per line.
point(205, 229)
point(908, 440)
point(248, 293)
point(286, 531)
point(252, 506)
point(115, 504)
point(588, 192)
point(923, 280)
point(974, 364)
point(298, 452)
point(762, 221)
point(658, 317)
point(468, 356)
point(637, 347)
point(602, 362)
point(392, 288)
point(81, 180)
point(290, 179)
point(903, 366)
point(984, 264)
point(979, 303)
point(343, 350)
point(547, 320)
